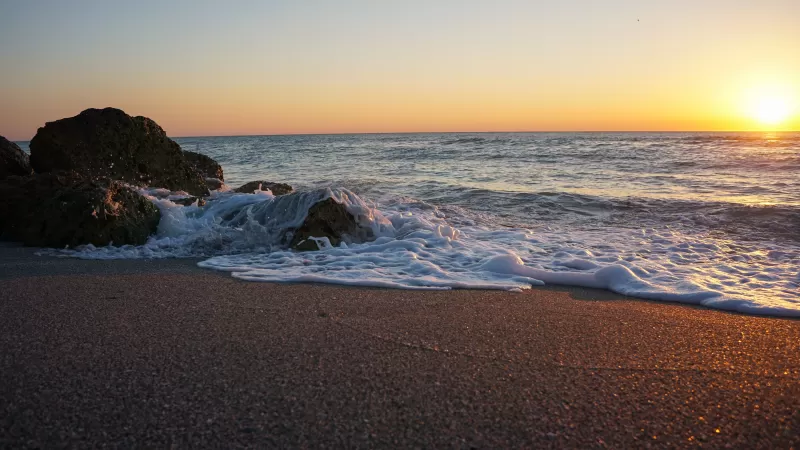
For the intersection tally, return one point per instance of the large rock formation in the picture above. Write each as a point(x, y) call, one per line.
point(13, 161)
point(109, 143)
point(329, 219)
point(276, 188)
point(205, 165)
point(68, 209)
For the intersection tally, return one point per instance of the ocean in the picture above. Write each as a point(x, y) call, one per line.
point(700, 218)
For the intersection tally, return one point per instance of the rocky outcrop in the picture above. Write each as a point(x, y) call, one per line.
point(108, 143)
point(13, 161)
point(329, 219)
point(205, 165)
point(276, 188)
point(68, 209)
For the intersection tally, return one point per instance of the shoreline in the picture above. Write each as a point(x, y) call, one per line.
point(162, 352)
point(17, 260)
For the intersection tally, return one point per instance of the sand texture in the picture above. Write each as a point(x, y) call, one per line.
point(161, 353)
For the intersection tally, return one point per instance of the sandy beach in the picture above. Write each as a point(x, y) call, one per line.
point(419, 224)
point(162, 353)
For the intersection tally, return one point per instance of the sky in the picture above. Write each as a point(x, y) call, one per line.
point(206, 68)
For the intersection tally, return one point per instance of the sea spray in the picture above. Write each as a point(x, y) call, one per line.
point(418, 247)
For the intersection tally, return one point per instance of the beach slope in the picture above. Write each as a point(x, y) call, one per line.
point(162, 353)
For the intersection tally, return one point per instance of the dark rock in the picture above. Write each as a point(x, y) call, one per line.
point(60, 209)
point(206, 165)
point(330, 219)
point(188, 201)
point(213, 183)
point(109, 143)
point(276, 188)
point(13, 161)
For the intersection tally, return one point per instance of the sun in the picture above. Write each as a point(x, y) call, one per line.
point(771, 111)
point(769, 103)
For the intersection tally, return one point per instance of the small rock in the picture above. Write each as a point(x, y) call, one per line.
point(329, 219)
point(276, 188)
point(188, 201)
point(214, 184)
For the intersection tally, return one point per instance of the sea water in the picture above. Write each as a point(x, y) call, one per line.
point(709, 219)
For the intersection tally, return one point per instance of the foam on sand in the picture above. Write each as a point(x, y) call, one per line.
point(418, 246)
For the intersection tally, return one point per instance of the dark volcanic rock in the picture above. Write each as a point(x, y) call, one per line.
point(188, 201)
point(109, 143)
point(60, 209)
point(213, 183)
point(206, 165)
point(276, 188)
point(330, 219)
point(13, 161)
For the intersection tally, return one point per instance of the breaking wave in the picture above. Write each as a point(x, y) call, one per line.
point(709, 219)
point(418, 245)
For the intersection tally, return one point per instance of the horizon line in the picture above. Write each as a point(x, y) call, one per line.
point(486, 132)
point(357, 133)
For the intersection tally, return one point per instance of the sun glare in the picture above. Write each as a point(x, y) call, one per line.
point(771, 110)
point(770, 104)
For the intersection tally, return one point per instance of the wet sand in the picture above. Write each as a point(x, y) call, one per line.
point(162, 353)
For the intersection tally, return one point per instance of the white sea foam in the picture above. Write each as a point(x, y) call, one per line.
point(417, 246)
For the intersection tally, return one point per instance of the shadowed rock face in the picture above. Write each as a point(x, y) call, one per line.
point(206, 165)
point(13, 161)
point(109, 143)
point(327, 219)
point(60, 209)
point(276, 188)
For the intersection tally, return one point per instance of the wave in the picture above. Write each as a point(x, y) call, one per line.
point(743, 221)
point(525, 208)
point(494, 140)
point(421, 246)
point(776, 221)
point(471, 140)
point(757, 163)
point(780, 139)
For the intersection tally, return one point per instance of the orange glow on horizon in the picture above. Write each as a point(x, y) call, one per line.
point(364, 108)
point(464, 106)
point(370, 67)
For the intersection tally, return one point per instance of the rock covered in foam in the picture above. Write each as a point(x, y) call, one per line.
point(13, 161)
point(331, 220)
point(205, 165)
point(276, 188)
point(109, 143)
point(68, 209)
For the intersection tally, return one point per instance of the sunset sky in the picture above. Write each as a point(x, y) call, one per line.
point(269, 67)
